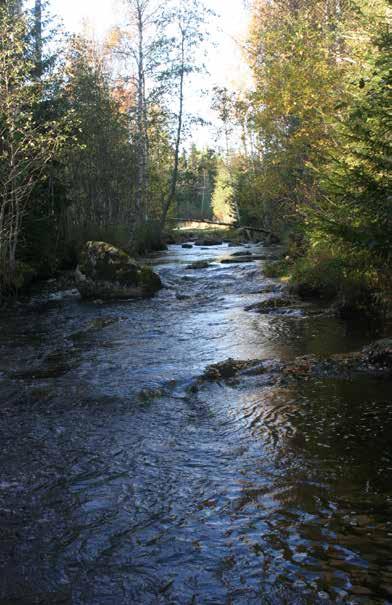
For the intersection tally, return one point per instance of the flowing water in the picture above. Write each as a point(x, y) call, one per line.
point(119, 485)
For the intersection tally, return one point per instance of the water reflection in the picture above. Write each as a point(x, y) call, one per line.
point(235, 494)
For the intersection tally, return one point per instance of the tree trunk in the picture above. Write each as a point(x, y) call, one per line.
point(38, 38)
point(141, 125)
point(173, 184)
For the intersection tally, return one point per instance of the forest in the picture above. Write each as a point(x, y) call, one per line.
point(95, 139)
point(195, 302)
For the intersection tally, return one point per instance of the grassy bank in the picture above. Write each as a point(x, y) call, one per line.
point(350, 282)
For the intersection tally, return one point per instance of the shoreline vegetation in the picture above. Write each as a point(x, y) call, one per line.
point(305, 148)
point(302, 277)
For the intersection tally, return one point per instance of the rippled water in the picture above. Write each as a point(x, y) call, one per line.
point(120, 486)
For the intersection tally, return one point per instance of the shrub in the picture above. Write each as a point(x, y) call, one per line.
point(349, 279)
point(279, 268)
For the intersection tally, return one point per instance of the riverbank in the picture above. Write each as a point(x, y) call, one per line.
point(352, 289)
point(63, 280)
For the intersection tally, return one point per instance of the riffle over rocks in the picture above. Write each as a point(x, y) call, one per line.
point(108, 273)
point(374, 359)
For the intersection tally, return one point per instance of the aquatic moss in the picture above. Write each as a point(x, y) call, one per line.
point(148, 280)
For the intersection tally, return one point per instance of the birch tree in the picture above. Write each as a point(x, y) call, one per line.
point(189, 19)
point(140, 45)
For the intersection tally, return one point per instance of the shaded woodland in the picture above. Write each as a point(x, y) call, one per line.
point(95, 139)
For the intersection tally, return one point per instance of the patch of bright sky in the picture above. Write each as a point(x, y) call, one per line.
point(224, 62)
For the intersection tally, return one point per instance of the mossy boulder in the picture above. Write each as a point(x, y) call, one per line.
point(108, 273)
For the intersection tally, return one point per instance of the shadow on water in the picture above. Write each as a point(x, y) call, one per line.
point(118, 485)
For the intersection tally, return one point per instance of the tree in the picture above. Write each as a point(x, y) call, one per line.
point(354, 208)
point(304, 56)
point(298, 83)
point(225, 103)
point(222, 103)
point(13, 6)
point(196, 182)
point(99, 166)
point(142, 45)
point(37, 36)
point(189, 18)
point(162, 46)
point(223, 205)
point(27, 144)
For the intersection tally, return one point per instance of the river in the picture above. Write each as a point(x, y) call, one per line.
point(120, 485)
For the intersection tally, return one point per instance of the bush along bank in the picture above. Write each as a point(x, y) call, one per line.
point(352, 284)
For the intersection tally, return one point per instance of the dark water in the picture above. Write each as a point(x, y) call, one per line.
point(119, 486)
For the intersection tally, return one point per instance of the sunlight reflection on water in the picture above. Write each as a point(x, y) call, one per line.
point(118, 485)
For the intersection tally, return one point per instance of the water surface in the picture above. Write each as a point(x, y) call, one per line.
point(120, 486)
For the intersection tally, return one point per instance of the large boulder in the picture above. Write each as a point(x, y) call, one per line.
point(108, 273)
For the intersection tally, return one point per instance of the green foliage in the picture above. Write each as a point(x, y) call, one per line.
point(223, 196)
point(334, 275)
point(99, 165)
point(279, 268)
point(148, 237)
point(297, 84)
point(30, 138)
point(70, 151)
point(354, 208)
point(319, 274)
point(316, 166)
point(196, 182)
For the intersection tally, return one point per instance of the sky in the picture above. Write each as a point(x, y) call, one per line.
point(224, 62)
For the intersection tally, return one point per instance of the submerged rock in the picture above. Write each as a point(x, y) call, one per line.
point(106, 272)
point(374, 359)
point(187, 246)
point(271, 289)
point(199, 264)
point(229, 368)
point(97, 324)
point(181, 296)
point(54, 365)
point(266, 306)
point(241, 253)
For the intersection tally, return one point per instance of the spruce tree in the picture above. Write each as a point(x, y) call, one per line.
point(356, 210)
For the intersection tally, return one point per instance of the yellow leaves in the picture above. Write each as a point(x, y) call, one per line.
point(113, 38)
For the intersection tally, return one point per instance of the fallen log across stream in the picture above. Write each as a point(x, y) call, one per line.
point(222, 224)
